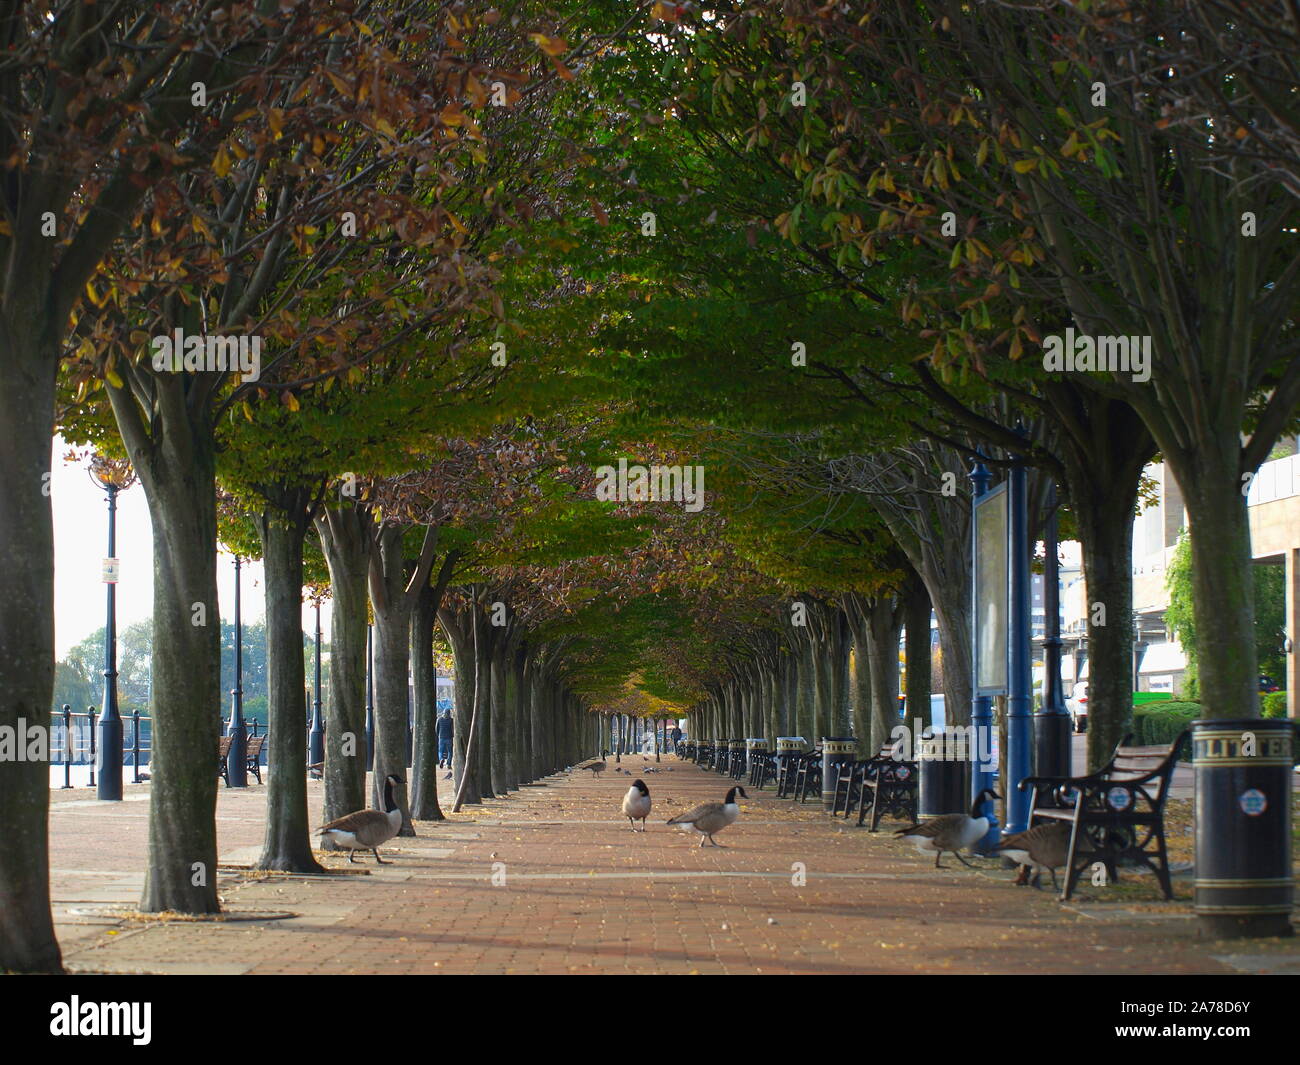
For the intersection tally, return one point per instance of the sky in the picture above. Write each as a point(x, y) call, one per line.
point(81, 542)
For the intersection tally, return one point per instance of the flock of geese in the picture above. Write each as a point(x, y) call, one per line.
point(1043, 848)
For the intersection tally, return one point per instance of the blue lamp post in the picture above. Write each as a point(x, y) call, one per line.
point(113, 476)
point(1020, 682)
point(237, 758)
point(316, 737)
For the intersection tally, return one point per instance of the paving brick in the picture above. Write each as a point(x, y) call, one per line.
point(582, 893)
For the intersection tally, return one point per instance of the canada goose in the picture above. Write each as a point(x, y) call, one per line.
point(1041, 847)
point(636, 804)
point(596, 768)
point(711, 817)
point(366, 829)
point(950, 832)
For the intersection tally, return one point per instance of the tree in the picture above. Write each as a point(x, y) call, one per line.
point(98, 108)
point(1134, 226)
point(1180, 615)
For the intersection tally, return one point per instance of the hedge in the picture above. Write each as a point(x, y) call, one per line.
point(1273, 704)
point(1160, 723)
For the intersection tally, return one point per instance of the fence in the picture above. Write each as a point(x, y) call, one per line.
point(74, 738)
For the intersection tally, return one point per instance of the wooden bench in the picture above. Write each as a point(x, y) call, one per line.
point(808, 775)
point(738, 760)
point(1116, 814)
point(252, 760)
point(889, 785)
point(253, 764)
point(849, 780)
point(787, 776)
point(762, 768)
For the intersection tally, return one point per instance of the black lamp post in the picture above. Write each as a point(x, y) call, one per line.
point(316, 737)
point(1052, 736)
point(237, 758)
point(113, 476)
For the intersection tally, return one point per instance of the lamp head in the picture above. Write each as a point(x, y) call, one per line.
point(111, 473)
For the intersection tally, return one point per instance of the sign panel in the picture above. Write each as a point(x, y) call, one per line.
point(992, 592)
point(110, 570)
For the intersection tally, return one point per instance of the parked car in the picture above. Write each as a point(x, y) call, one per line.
point(1077, 704)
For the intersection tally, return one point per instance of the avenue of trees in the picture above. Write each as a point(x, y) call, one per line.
point(809, 252)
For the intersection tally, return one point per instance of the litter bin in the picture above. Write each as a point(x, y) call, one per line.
point(836, 750)
point(1244, 884)
point(944, 764)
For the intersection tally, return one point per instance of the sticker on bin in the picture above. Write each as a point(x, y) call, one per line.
point(1118, 798)
point(1253, 802)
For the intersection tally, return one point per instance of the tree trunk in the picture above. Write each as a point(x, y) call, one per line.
point(823, 663)
point(287, 847)
point(806, 725)
point(473, 738)
point(457, 624)
point(27, 942)
point(392, 635)
point(952, 611)
point(1223, 587)
point(861, 677)
point(840, 672)
point(517, 696)
point(884, 623)
point(539, 756)
point(1106, 539)
point(484, 738)
point(499, 756)
point(179, 478)
point(775, 689)
point(424, 679)
point(790, 695)
point(916, 626)
point(345, 542)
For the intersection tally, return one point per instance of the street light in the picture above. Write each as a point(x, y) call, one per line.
point(1052, 737)
point(113, 476)
point(237, 757)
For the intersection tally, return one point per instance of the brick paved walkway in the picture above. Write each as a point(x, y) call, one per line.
point(576, 891)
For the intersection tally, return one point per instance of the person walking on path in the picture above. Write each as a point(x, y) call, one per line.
point(446, 728)
point(677, 737)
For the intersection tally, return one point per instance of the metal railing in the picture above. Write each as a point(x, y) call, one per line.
point(74, 741)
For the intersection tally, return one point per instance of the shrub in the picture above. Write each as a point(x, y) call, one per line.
point(1273, 704)
point(1160, 723)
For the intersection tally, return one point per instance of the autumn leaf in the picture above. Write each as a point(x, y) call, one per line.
point(552, 46)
